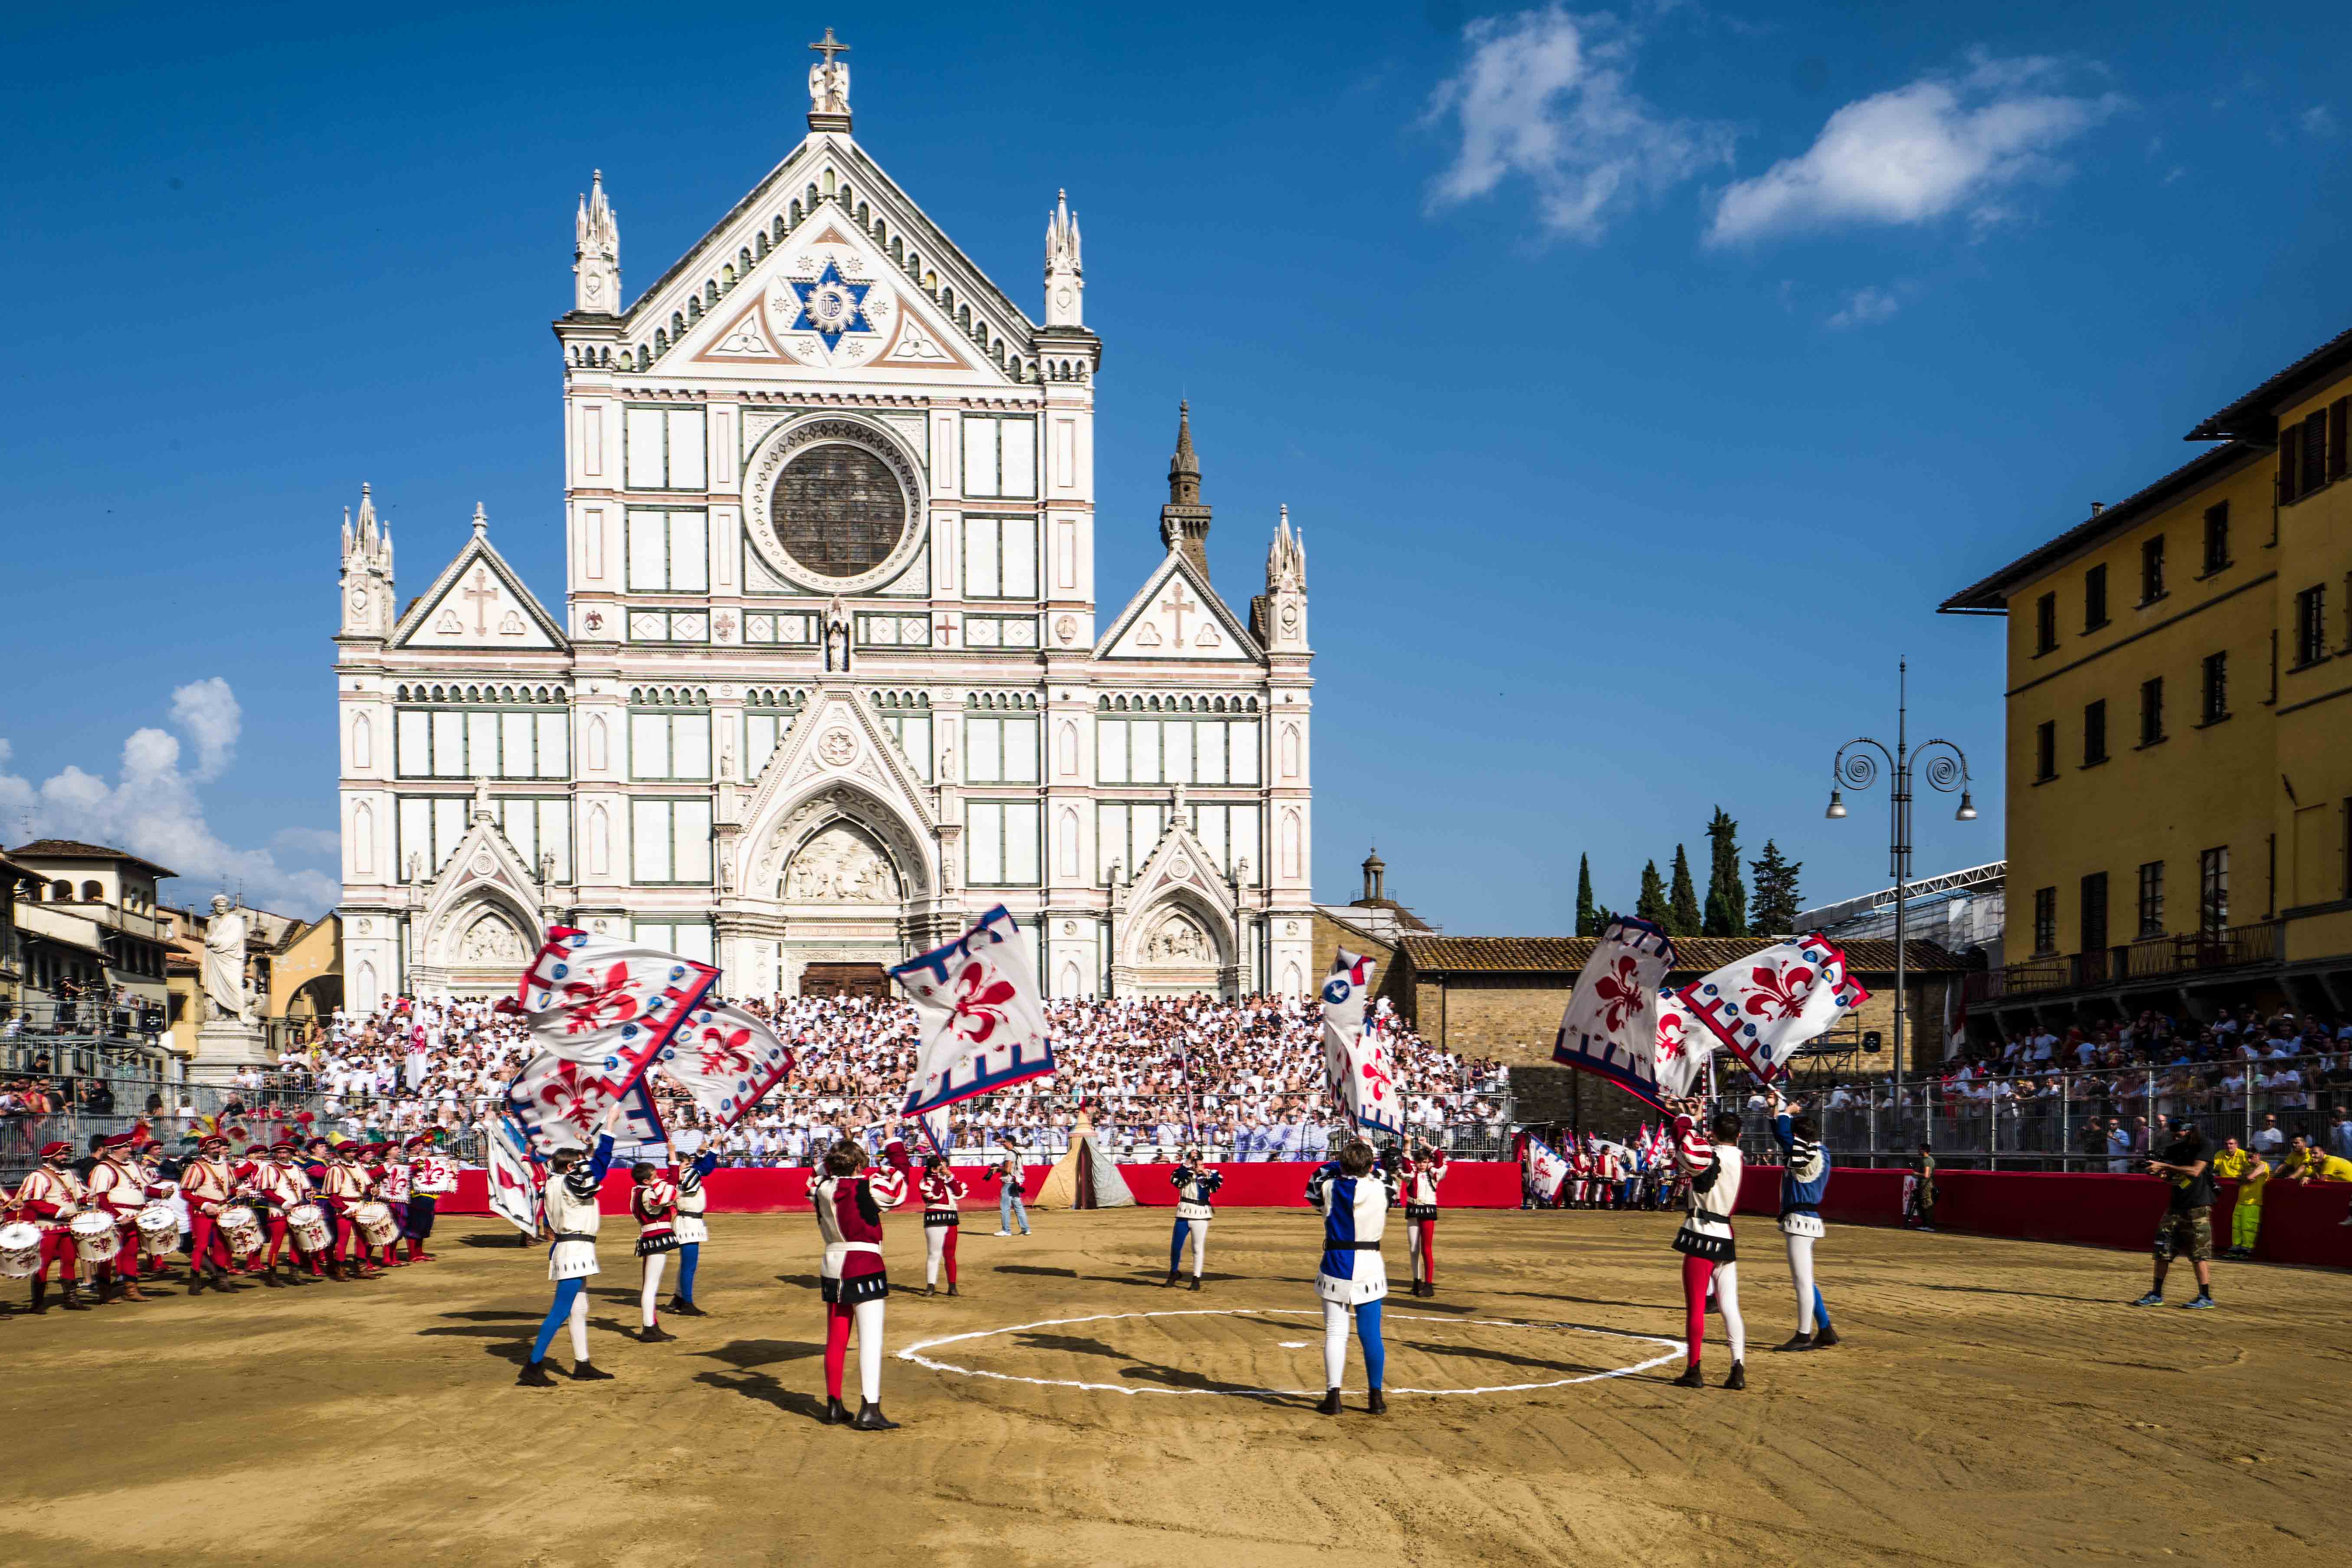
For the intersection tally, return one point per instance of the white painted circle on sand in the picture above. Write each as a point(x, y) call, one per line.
point(914, 1353)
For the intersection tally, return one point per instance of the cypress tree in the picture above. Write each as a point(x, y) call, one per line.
point(1776, 893)
point(1652, 905)
point(1682, 903)
point(1588, 915)
point(1726, 895)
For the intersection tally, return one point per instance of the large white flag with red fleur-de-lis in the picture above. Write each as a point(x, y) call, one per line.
point(983, 1024)
point(1357, 1065)
point(1610, 1027)
point(1683, 1045)
point(600, 1011)
point(726, 1059)
point(1770, 1002)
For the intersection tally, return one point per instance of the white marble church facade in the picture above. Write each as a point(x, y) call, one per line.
point(829, 679)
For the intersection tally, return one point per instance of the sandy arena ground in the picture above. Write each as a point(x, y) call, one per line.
point(1994, 1402)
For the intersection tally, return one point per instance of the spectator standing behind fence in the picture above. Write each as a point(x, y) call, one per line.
point(1008, 1199)
point(2119, 1147)
point(1919, 1190)
point(2269, 1138)
point(2187, 1227)
point(2253, 1173)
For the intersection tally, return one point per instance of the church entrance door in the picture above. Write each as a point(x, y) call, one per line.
point(869, 981)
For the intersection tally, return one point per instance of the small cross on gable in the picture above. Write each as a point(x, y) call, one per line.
point(1178, 606)
point(483, 593)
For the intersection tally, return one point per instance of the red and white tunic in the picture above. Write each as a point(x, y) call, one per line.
point(1714, 1170)
point(53, 1197)
point(941, 1191)
point(655, 1207)
point(346, 1184)
point(207, 1184)
point(1419, 1178)
point(121, 1190)
point(849, 1212)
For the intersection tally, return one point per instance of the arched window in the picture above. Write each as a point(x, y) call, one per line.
point(596, 744)
point(363, 840)
point(91, 893)
point(599, 844)
point(362, 744)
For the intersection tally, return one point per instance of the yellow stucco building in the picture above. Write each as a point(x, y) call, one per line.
point(2179, 728)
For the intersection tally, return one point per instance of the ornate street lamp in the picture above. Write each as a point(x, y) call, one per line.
point(1856, 768)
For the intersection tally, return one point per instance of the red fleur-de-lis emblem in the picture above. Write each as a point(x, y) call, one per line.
point(1621, 994)
point(723, 1052)
point(589, 1003)
point(1378, 1079)
point(1670, 1035)
point(1778, 994)
point(980, 995)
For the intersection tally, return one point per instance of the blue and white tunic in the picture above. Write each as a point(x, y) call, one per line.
point(1354, 1211)
point(1804, 1179)
point(1196, 1191)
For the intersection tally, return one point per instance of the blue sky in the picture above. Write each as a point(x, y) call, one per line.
point(1642, 381)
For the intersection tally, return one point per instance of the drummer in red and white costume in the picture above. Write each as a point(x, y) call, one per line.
point(345, 1187)
point(207, 1181)
point(118, 1187)
point(849, 1197)
point(52, 1196)
point(285, 1185)
point(1418, 1173)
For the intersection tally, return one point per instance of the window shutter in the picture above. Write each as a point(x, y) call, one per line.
point(2289, 456)
point(2314, 452)
point(2339, 414)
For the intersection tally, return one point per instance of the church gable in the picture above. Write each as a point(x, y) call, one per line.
point(478, 601)
point(1178, 616)
point(828, 300)
point(754, 292)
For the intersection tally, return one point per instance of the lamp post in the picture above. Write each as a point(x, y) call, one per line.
point(1856, 768)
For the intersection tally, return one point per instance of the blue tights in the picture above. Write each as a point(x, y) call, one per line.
point(1821, 1311)
point(688, 1254)
point(566, 1292)
point(1368, 1335)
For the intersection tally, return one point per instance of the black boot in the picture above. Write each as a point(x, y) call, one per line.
point(837, 1414)
point(74, 1303)
point(589, 1371)
point(1799, 1343)
point(40, 1296)
point(1376, 1403)
point(1825, 1339)
point(534, 1375)
point(1690, 1378)
point(1330, 1406)
point(871, 1419)
point(196, 1285)
point(1169, 1281)
point(654, 1334)
point(951, 1289)
point(680, 1307)
point(1738, 1378)
point(1196, 1281)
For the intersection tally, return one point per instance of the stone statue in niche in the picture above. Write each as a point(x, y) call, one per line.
point(840, 865)
point(490, 939)
point(1179, 940)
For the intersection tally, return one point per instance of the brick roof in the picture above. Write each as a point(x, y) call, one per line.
point(1695, 955)
point(75, 849)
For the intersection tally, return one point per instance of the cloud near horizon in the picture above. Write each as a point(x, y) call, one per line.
point(1544, 97)
point(1920, 152)
point(152, 809)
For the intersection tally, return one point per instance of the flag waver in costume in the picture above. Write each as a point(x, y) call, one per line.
point(1610, 1027)
point(1355, 1062)
point(1768, 1003)
point(983, 1024)
point(600, 1010)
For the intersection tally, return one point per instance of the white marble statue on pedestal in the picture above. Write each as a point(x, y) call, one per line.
point(230, 998)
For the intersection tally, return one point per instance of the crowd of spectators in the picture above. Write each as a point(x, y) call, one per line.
point(1243, 1079)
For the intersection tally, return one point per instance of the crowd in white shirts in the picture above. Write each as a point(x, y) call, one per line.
point(1242, 1079)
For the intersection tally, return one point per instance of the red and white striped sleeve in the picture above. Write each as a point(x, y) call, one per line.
point(1691, 1147)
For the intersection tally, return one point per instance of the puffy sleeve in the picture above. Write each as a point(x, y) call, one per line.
point(603, 1159)
point(1784, 1131)
point(1318, 1185)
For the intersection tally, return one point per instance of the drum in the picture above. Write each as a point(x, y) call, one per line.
point(377, 1227)
point(93, 1236)
point(159, 1229)
point(20, 1250)
point(240, 1230)
point(308, 1223)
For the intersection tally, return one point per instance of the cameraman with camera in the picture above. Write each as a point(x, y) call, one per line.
point(2187, 1223)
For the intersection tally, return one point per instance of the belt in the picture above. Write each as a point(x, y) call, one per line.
point(1351, 1246)
point(575, 1236)
point(1801, 1208)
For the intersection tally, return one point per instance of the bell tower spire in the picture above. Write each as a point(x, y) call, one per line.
point(1184, 520)
point(596, 254)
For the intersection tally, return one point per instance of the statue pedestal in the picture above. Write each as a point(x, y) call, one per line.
point(222, 1046)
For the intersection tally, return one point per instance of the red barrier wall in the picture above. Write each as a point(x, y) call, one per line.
point(2302, 1222)
point(1273, 1184)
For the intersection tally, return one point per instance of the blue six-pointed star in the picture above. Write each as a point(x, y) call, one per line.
point(848, 311)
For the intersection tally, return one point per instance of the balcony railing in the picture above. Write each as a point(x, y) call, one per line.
point(2154, 960)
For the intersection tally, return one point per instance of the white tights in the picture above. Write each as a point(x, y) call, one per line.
point(579, 1326)
point(654, 1262)
point(1726, 1301)
point(935, 1244)
point(868, 1315)
point(1800, 1273)
point(1200, 1238)
point(1336, 1317)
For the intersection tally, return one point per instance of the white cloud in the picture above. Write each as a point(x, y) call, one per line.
point(308, 840)
point(151, 809)
point(1866, 307)
point(2318, 121)
point(1543, 96)
point(1938, 146)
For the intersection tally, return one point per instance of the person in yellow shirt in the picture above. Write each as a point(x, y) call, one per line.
point(2305, 1163)
point(2253, 1174)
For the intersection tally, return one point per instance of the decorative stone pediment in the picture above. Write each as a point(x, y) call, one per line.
point(835, 764)
point(479, 602)
point(1178, 616)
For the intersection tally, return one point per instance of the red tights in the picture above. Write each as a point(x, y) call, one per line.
point(837, 1320)
point(1427, 1230)
point(947, 1253)
point(1697, 1273)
